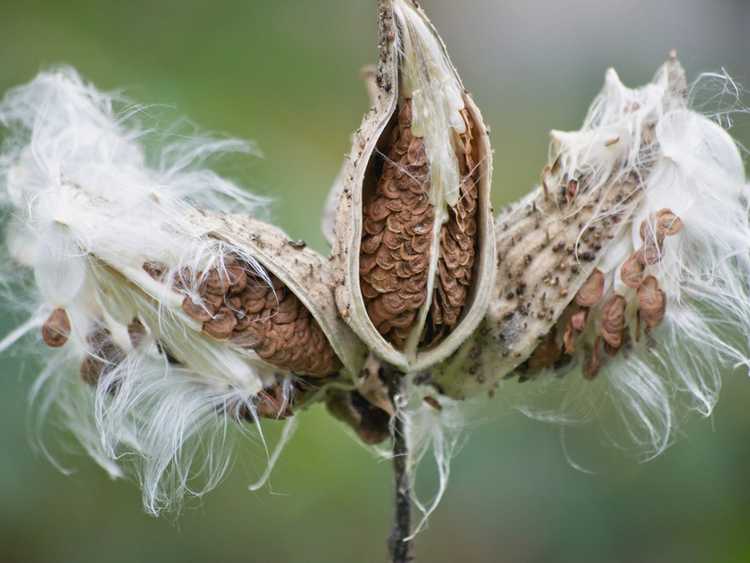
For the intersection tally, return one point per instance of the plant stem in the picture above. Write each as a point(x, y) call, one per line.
point(399, 548)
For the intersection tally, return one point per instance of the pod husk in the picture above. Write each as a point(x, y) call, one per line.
point(357, 176)
point(547, 249)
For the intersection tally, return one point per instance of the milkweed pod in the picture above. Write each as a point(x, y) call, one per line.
point(414, 243)
point(564, 252)
point(289, 318)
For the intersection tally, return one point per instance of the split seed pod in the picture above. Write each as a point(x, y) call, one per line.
point(414, 237)
point(292, 322)
point(556, 248)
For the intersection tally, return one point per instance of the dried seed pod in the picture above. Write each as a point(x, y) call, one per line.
point(652, 303)
point(288, 318)
point(577, 221)
point(414, 238)
point(56, 329)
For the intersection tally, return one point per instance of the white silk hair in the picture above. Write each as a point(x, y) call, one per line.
point(85, 210)
point(694, 168)
point(688, 163)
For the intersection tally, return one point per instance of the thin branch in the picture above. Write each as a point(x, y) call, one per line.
point(400, 549)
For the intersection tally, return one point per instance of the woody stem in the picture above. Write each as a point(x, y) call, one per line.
point(400, 549)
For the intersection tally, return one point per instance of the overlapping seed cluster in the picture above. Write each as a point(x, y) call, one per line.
point(397, 238)
point(458, 243)
point(236, 304)
point(600, 326)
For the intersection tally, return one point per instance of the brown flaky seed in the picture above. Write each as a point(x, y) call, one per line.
point(592, 291)
point(269, 403)
point(667, 223)
point(268, 319)
point(155, 269)
point(458, 247)
point(221, 325)
point(631, 272)
point(652, 303)
point(136, 332)
point(612, 327)
point(397, 240)
point(103, 356)
point(56, 329)
point(397, 235)
point(653, 232)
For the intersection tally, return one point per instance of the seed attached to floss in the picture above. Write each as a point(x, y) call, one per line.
point(613, 323)
point(592, 290)
point(271, 403)
point(652, 303)
point(56, 329)
point(103, 356)
point(631, 271)
point(663, 224)
point(136, 332)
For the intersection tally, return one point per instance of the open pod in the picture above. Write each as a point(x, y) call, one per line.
point(307, 280)
point(562, 249)
point(413, 237)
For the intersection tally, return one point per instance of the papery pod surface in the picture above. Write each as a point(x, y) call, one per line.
point(414, 242)
point(555, 245)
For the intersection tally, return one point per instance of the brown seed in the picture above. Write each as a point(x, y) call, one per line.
point(592, 291)
point(103, 356)
point(56, 329)
point(136, 332)
point(667, 223)
point(650, 254)
point(578, 320)
point(396, 260)
point(274, 322)
point(221, 325)
point(631, 272)
point(613, 321)
point(156, 270)
point(652, 303)
point(196, 311)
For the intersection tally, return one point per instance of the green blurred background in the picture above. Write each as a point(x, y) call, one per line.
point(285, 73)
